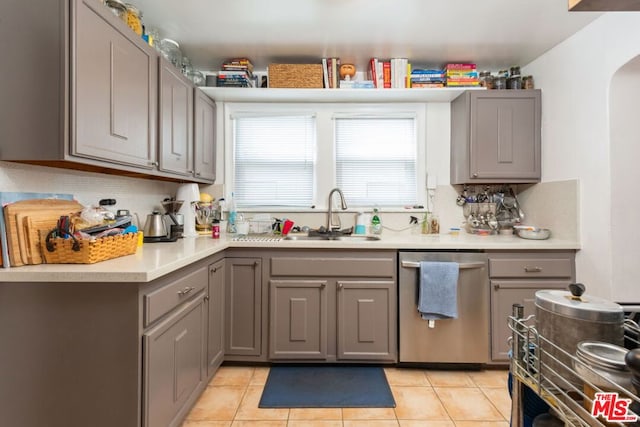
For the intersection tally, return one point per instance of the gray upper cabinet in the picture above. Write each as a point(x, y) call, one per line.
point(204, 137)
point(113, 91)
point(105, 105)
point(176, 120)
point(495, 137)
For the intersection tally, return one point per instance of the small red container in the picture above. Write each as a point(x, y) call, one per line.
point(215, 231)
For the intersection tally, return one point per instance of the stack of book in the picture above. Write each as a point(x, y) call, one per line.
point(461, 75)
point(429, 78)
point(390, 74)
point(237, 72)
point(331, 72)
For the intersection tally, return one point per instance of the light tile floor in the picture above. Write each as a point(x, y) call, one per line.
point(424, 398)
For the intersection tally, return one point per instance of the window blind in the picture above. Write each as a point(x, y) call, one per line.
point(274, 160)
point(376, 160)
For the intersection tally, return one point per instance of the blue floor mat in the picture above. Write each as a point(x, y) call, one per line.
point(327, 387)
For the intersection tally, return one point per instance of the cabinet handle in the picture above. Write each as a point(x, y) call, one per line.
point(190, 172)
point(186, 290)
point(198, 174)
point(339, 286)
point(528, 269)
point(206, 298)
point(474, 175)
point(255, 263)
point(154, 163)
point(496, 287)
point(213, 270)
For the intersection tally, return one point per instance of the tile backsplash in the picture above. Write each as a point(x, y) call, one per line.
point(138, 195)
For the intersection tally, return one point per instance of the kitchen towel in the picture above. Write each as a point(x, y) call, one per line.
point(438, 290)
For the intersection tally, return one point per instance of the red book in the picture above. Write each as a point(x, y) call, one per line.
point(372, 72)
point(466, 66)
point(386, 74)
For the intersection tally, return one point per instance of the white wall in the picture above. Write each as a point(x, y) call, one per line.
point(575, 78)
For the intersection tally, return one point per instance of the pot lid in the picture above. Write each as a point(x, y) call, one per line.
point(584, 307)
point(602, 354)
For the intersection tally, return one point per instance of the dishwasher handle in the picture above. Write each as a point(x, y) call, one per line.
point(461, 266)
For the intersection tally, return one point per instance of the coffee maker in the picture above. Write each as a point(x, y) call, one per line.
point(175, 222)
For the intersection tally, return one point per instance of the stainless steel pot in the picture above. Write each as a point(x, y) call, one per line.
point(567, 318)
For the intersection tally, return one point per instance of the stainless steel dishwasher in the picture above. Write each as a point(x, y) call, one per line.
point(461, 340)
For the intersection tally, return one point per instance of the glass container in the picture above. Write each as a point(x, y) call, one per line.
point(170, 49)
point(117, 8)
point(154, 38)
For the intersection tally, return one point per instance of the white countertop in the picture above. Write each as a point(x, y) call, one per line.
point(154, 260)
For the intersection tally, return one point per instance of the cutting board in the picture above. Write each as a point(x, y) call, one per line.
point(14, 232)
point(29, 226)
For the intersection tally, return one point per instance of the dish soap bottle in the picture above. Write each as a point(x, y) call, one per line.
point(376, 223)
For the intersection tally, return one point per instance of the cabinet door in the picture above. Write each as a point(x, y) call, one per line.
point(505, 136)
point(204, 128)
point(505, 293)
point(298, 319)
point(176, 120)
point(215, 335)
point(367, 320)
point(174, 365)
point(243, 307)
point(114, 86)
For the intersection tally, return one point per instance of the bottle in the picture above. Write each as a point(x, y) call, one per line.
point(360, 224)
point(231, 219)
point(425, 224)
point(376, 223)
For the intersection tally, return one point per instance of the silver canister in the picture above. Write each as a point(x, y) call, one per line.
point(567, 318)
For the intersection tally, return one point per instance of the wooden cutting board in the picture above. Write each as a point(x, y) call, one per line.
point(14, 232)
point(29, 226)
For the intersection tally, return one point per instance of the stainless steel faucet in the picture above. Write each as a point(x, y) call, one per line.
point(331, 224)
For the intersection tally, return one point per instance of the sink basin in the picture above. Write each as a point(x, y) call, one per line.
point(345, 238)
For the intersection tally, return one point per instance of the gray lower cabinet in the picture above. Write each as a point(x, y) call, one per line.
point(495, 137)
point(243, 308)
point(174, 366)
point(298, 319)
point(176, 120)
point(215, 323)
point(333, 306)
point(515, 278)
point(366, 320)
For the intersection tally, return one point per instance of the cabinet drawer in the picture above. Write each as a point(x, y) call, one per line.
point(160, 301)
point(531, 267)
point(333, 267)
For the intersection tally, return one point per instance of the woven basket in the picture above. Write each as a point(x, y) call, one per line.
point(90, 251)
point(296, 76)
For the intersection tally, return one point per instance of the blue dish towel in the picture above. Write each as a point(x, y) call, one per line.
point(438, 290)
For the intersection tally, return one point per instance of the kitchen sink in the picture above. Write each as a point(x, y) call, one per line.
point(321, 237)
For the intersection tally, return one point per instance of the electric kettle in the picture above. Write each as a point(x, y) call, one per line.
point(155, 225)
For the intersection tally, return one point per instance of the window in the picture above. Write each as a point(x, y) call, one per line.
point(376, 160)
point(290, 156)
point(274, 160)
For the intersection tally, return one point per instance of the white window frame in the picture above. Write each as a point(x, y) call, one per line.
point(325, 113)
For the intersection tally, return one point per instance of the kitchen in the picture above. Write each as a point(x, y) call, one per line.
point(575, 108)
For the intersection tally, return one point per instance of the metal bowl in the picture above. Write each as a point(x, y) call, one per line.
point(533, 234)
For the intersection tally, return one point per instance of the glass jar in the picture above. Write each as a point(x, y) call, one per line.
point(172, 53)
point(117, 8)
point(527, 82)
point(196, 77)
point(133, 18)
point(500, 82)
point(486, 80)
point(153, 38)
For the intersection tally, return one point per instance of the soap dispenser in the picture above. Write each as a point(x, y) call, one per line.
point(376, 222)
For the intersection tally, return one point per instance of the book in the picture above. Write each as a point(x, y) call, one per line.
point(386, 74)
point(325, 73)
point(425, 85)
point(460, 66)
point(335, 69)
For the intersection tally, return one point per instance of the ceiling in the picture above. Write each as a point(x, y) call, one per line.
point(495, 34)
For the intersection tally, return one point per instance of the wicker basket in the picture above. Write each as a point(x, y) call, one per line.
point(296, 76)
point(61, 251)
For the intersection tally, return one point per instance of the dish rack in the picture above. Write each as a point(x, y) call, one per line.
point(529, 367)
